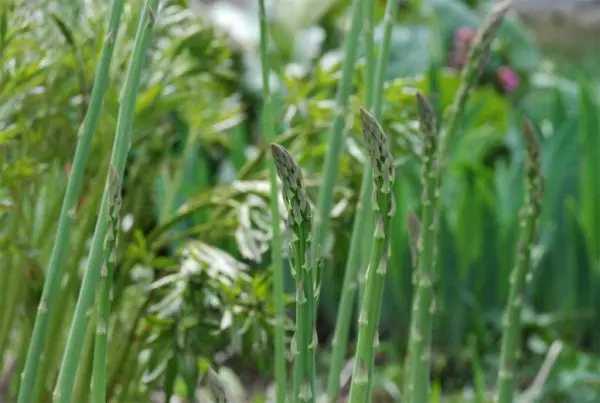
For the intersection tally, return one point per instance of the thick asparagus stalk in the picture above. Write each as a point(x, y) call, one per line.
point(384, 208)
point(300, 220)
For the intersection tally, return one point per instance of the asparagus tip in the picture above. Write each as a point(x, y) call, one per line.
point(531, 140)
point(426, 115)
point(294, 192)
point(377, 143)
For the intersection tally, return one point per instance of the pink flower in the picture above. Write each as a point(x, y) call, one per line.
point(508, 79)
point(464, 35)
point(460, 47)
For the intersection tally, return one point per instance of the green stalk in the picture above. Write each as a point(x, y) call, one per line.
point(67, 214)
point(110, 260)
point(530, 214)
point(362, 216)
point(336, 133)
point(384, 208)
point(476, 60)
point(81, 389)
point(300, 220)
point(426, 248)
point(276, 248)
point(370, 84)
point(369, 41)
point(91, 276)
point(435, 51)
point(52, 353)
point(423, 308)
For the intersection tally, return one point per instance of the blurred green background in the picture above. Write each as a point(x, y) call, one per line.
point(193, 295)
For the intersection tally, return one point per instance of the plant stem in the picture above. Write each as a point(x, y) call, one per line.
point(436, 54)
point(370, 84)
point(120, 150)
point(276, 248)
point(384, 208)
point(362, 216)
point(476, 60)
point(81, 389)
point(68, 210)
point(529, 222)
point(99, 370)
point(369, 43)
point(300, 219)
point(336, 133)
point(423, 307)
point(426, 247)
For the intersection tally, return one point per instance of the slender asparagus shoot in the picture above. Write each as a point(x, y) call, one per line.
point(529, 222)
point(369, 46)
point(361, 253)
point(477, 58)
point(384, 208)
point(300, 220)
point(50, 292)
point(416, 384)
point(105, 296)
point(336, 133)
point(363, 214)
point(91, 277)
point(426, 248)
point(276, 248)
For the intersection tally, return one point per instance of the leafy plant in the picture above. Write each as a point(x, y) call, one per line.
point(200, 280)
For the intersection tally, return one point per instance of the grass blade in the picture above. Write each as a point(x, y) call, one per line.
point(590, 172)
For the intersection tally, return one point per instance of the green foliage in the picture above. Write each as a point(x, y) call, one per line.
point(48, 65)
point(192, 285)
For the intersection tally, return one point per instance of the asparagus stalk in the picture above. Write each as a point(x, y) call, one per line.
point(476, 60)
point(384, 208)
point(369, 46)
point(276, 248)
point(335, 145)
point(529, 219)
point(417, 379)
point(64, 388)
point(363, 214)
point(51, 289)
point(300, 220)
point(426, 248)
point(105, 296)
